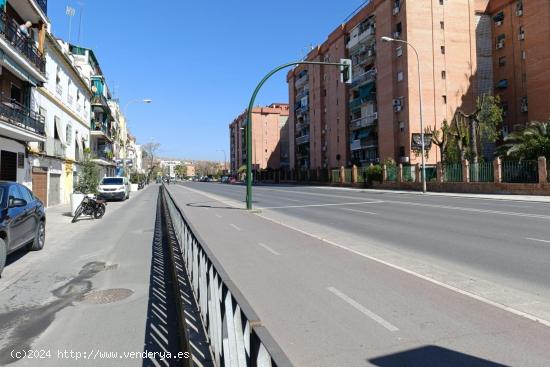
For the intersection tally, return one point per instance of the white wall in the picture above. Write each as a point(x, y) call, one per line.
point(23, 174)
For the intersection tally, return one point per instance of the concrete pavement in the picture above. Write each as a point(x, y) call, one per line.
point(96, 295)
point(330, 292)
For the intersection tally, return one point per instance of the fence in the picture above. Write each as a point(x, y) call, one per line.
point(520, 172)
point(347, 175)
point(391, 173)
point(335, 176)
point(235, 333)
point(452, 173)
point(482, 172)
point(409, 173)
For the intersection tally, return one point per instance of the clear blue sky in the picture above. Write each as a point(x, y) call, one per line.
point(199, 61)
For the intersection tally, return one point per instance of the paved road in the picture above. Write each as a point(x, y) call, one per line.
point(371, 278)
point(97, 287)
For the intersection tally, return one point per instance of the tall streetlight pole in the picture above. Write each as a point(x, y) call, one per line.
point(224, 157)
point(345, 67)
point(390, 40)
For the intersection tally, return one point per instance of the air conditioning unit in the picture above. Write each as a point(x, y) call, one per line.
point(499, 23)
point(500, 45)
point(519, 12)
point(374, 116)
point(521, 36)
point(524, 108)
point(399, 51)
point(396, 10)
point(397, 102)
point(397, 108)
point(396, 34)
point(370, 52)
point(405, 159)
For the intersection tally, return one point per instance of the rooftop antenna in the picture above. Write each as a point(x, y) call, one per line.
point(70, 11)
point(80, 20)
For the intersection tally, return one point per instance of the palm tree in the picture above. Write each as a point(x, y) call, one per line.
point(529, 143)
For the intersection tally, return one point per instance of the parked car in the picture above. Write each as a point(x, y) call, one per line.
point(224, 179)
point(22, 220)
point(114, 188)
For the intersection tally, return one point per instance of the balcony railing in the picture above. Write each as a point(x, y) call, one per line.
point(369, 76)
point(302, 139)
point(364, 121)
point(24, 44)
point(358, 144)
point(98, 126)
point(301, 81)
point(21, 116)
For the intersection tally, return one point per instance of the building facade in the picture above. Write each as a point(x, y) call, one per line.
point(23, 28)
point(267, 124)
point(64, 103)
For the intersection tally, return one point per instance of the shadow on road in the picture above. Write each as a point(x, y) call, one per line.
point(211, 205)
point(432, 355)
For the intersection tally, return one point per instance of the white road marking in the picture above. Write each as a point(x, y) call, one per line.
point(234, 226)
point(321, 205)
point(296, 201)
point(536, 239)
point(269, 249)
point(218, 216)
point(359, 211)
point(418, 275)
point(359, 307)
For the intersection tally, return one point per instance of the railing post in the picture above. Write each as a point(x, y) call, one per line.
point(417, 173)
point(439, 172)
point(342, 175)
point(354, 174)
point(465, 171)
point(543, 170)
point(400, 173)
point(384, 173)
point(497, 170)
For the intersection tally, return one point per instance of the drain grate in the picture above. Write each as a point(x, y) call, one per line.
point(107, 296)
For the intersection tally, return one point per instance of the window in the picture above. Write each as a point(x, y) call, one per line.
point(521, 35)
point(401, 151)
point(519, 8)
point(502, 61)
point(402, 126)
point(499, 18)
point(399, 51)
point(16, 94)
point(26, 194)
point(443, 74)
point(399, 76)
point(443, 50)
point(523, 55)
point(444, 98)
point(69, 133)
point(502, 84)
point(441, 2)
point(442, 25)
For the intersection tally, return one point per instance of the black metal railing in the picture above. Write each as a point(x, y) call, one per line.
point(21, 116)
point(23, 43)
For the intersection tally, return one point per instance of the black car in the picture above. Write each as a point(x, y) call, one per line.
point(22, 220)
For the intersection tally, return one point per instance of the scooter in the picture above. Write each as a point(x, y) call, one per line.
point(91, 206)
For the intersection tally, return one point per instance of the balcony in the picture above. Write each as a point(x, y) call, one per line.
point(43, 4)
point(368, 77)
point(302, 139)
point(23, 44)
point(99, 129)
point(359, 144)
point(23, 123)
point(364, 121)
point(300, 82)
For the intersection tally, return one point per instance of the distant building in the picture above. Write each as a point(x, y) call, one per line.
point(267, 150)
point(190, 170)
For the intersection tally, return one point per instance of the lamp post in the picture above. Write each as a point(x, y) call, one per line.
point(345, 69)
point(224, 157)
point(390, 40)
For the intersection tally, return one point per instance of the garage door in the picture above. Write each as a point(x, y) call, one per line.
point(40, 184)
point(54, 190)
point(8, 166)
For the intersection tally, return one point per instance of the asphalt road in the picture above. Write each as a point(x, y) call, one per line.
point(96, 293)
point(382, 278)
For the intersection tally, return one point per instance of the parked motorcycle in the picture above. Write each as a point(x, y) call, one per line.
point(91, 206)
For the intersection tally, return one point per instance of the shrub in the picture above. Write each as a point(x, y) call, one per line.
point(374, 173)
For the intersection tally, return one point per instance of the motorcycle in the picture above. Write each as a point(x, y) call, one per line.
point(91, 206)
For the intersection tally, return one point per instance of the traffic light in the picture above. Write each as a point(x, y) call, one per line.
point(345, 71)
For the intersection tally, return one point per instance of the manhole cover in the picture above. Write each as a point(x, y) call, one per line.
point(107, 296)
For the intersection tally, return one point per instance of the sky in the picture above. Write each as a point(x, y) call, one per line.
point(199, 61)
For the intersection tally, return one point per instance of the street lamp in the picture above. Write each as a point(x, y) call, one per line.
point(390, 40)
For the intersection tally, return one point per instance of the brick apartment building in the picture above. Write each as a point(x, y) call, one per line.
point(459, 43)
point(269, 140)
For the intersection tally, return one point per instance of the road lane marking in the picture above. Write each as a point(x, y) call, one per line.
point(536, 239)
point(359, 307)
point(320, 205)
point(418, 275)
point(296, 201)
point(218, 216)
point(359, 211)
point(234, 226)
point(269, 249)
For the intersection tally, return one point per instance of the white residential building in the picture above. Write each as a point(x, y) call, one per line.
point(64, 103)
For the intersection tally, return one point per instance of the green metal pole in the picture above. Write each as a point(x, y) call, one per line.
point(249, 122)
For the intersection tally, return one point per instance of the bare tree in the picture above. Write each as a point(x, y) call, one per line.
point(151, 149)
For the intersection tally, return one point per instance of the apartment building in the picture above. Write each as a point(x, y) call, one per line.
point(519, 37)
point(23, 27)
point(102, 123)
point(63, 101)
point(267, 124)
point(373, 119)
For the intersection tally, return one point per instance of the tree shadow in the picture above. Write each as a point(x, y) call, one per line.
point(431, 355)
